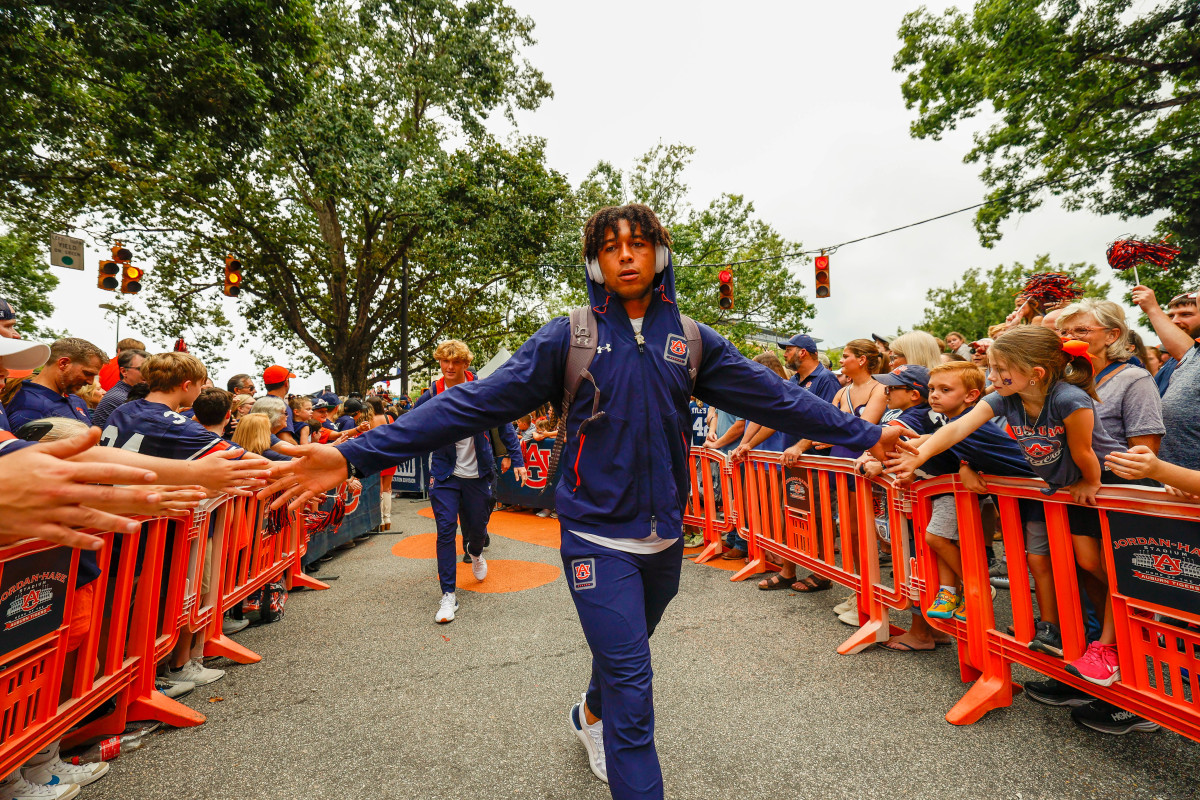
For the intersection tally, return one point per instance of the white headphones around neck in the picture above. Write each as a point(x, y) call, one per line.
point(662, 257)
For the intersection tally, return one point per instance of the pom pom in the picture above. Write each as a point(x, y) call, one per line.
point(1050, 289)
point(1129, 252)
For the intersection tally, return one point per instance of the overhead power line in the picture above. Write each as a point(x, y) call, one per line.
point(830, 249)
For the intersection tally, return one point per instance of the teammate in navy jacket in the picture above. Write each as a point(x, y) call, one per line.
point(624, 480)
point(460, 481)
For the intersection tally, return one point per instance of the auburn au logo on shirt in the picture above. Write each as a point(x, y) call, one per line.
point(677, 349)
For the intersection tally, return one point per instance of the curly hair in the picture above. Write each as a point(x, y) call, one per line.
point(640, 218)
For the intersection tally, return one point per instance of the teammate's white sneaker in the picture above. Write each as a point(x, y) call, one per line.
point(16, 787)
point(195, 672)
point(48, 769)
point(446, 608)
point(592, 737)
point(479, 567)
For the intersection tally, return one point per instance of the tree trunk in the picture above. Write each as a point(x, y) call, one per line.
point(404, 325)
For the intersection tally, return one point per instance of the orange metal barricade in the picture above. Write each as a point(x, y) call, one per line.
point(798, 513)
point(1159, 661)
point(711, 505)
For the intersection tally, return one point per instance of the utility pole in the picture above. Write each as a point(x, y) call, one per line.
point(404, 324)
point(119, 311)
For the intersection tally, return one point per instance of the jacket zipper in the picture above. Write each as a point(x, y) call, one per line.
point(641, 343)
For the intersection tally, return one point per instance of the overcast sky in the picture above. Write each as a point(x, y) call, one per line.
point(795, 106)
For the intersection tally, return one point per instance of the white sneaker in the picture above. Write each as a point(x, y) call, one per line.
point(849, 604)
point(196, 673)
point(16, 787)
point(173, 689)
point(592, 737)
point(48, 769)
point(446, 608)
point(231, 626)
point(850, 618)
point(545, 512)
point(478, 567)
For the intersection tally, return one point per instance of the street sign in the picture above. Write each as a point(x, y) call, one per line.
point(66, 251)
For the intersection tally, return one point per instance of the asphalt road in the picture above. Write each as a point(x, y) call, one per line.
point(360, 695)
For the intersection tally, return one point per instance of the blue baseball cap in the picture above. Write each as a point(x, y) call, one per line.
point(801, 340)
point(914, 376)
point(6, 311)
point(331, 399)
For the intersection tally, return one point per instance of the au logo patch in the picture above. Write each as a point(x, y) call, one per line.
point(677, 349)
point(583, 573)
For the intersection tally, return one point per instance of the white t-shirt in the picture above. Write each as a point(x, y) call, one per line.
point(466, 464)
point(650, 544)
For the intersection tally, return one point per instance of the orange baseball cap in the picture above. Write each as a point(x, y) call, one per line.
point(277, 374)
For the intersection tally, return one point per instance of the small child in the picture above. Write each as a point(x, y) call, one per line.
point(1044, 389)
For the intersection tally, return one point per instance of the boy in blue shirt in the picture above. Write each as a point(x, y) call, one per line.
point(73, 364)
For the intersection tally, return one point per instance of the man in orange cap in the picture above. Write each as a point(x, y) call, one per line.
point(277, 381)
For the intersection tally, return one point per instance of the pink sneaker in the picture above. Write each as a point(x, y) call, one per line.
point(1097, 665)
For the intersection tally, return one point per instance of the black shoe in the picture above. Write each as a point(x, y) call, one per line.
point(1106, 718)
point(487, 540)
point(466, 559)
point(1047, 639)
point(1052, 693)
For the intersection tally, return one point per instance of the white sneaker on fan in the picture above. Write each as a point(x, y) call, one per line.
point(478, 567)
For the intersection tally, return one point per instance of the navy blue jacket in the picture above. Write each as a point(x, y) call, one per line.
point(34, 401)
point(442, 462)
point(624, 475)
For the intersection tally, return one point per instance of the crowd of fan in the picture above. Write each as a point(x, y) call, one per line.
point(86, 442)
point(1070, 395)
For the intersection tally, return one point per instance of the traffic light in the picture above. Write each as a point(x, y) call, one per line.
point(725, 301)
point(822, 264)
point(131, 279)
point(107, 278)
point(233, 276)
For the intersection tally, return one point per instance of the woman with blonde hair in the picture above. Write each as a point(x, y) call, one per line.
point(915, 347)
point(254, 433)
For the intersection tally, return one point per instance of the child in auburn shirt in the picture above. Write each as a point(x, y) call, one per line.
point(1044, 389)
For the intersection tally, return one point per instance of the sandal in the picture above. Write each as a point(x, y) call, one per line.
point(774, 582)
point(812, 583)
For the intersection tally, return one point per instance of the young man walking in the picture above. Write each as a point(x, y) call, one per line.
point(460, 481)
point(624, 479)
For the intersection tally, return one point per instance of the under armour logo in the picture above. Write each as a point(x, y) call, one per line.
point(605, 348)
point(583, 334)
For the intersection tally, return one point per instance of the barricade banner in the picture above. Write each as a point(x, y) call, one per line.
point(411, 476)
point(33, 597)
point(362, 515)
point(1159, 565)
point(537, 461)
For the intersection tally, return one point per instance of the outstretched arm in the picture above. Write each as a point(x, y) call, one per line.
point(743, 387)
point(942, 440)
point(534, 375)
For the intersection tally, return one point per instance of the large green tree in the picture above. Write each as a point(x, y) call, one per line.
point(766, 294)
point(26, 282)
point(378, 216)
point(980, 298)
point(1097, 103)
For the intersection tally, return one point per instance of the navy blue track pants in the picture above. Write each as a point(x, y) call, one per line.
point(459, 500)
point(620, 597)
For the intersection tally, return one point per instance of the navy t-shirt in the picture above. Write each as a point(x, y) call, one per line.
point(346, 423)
point(1044, 440)
point(699, 413)
point(922, 420)
point(152, 429)
point(821, 382)
point(35, 401)
point(824, 384)
point(3, 419)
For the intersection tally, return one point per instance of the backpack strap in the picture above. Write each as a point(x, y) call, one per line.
point(695, 348)
point(579, 358)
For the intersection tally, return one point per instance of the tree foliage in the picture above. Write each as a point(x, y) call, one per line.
point(766, 295)
point(1073, 87)
point(26, 282)
point(980, 298)
point(378, 216)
